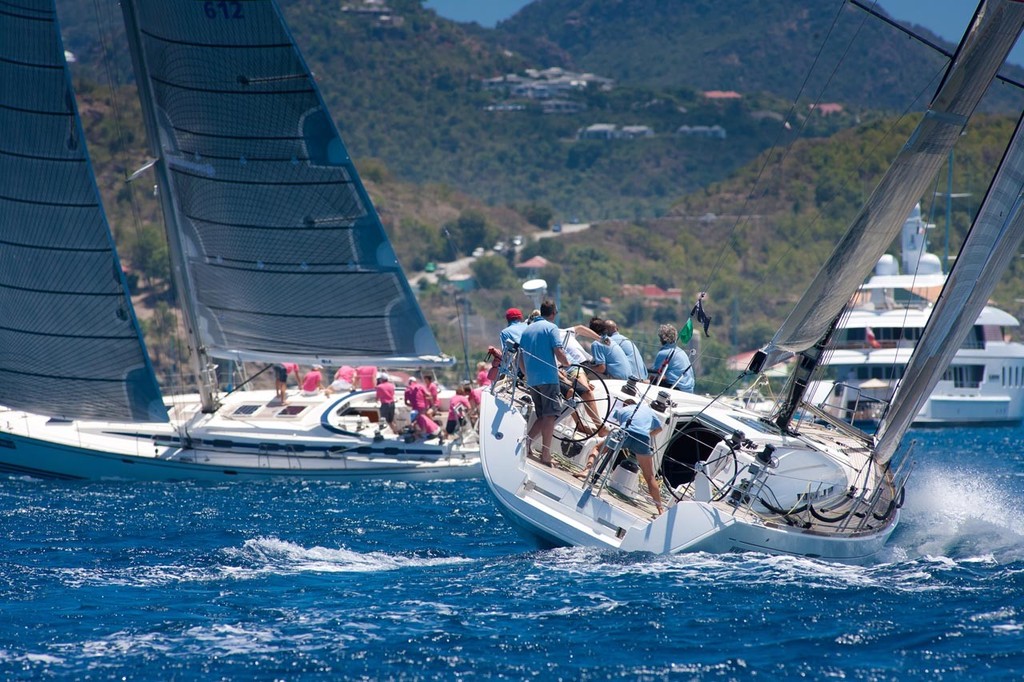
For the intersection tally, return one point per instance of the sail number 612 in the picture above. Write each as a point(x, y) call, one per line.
point(223, 10)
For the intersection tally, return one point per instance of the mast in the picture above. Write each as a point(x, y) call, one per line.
point(983, 49)
point(204, 370)
point(990, 246)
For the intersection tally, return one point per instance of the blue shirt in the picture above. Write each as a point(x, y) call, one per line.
point(642, 420)
point(538, 344)
point(613, 358)
point(678, 366)
point(511, 334)
point(636, 360)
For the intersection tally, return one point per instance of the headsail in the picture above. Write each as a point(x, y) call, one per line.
point(70, 344)
point(282, 253)
point(988, 250)
point(988, 40)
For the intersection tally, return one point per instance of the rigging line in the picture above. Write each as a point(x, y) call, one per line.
point(458, 308)
point(888, 133)
point(848, 311)
point(906, 305)
point(249, 380)
point(921, 39)
point(743, 209)
point(803, 126)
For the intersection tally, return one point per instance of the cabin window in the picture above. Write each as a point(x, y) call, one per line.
point(965, 376)
point(244, 410)
point(291, 410)
point(865, 372)
point(975, 338)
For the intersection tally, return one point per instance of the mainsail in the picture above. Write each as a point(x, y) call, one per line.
point(70, 344)
point(280, 253)
point(990, 246)
point(991, 35)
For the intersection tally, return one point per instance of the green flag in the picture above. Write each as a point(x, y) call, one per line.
point(686, 333)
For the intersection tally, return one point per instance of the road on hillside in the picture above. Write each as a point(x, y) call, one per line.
point(461, 266)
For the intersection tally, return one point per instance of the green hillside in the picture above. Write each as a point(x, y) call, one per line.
point(826, 50)
point(411, 91)
point(755, 241)
point(728, 216)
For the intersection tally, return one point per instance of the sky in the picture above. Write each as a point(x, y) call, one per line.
point(946, 18)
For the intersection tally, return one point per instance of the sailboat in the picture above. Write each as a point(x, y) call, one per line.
point(793, 479)
point(277, 255)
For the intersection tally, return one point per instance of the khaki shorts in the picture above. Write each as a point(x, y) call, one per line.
point(546, 399)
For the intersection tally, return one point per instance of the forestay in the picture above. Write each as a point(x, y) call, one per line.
point(282, 254)
point(988, 250)
point(70, 344)
point(993, 32)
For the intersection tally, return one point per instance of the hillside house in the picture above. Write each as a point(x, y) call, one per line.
point(562, 106)
point(826, 109)
point(651, 294)
point(715, 132)
point(721, 94)
point(532, 266)
point(546, 83)
point(610, 131)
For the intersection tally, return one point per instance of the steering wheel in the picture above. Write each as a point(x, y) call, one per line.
point(683, 469)
point(587, 404)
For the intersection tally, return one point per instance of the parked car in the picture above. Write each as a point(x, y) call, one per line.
point(499, 247)
point(557, 227)
point(478, 251)
point(517, 240)
point(430, 267)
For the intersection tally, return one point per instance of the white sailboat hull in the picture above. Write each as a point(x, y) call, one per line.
point(317, 444)
point(555, 506)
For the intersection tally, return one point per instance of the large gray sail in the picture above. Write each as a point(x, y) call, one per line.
point(282, 254)
point(70, 344)
point(992, 34)
point(990, 247)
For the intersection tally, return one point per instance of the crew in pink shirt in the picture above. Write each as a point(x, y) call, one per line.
point(367, 377)
point(416, 398)
point(386, 397)
point(342, 380)
point(459, 404)
point(313, 381)
point(475, 396)
point(481, 374)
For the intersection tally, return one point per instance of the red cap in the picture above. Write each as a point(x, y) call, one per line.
point(513, 314)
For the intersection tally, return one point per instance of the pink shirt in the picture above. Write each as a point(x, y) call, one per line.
point(311, 382)
point(475, 396)
point(345, 373)
point(367, 377)
point(386, 392)
point(453, 406)
point(290, 367)
point(416, 397)
point(432, 391)
point(482, 378)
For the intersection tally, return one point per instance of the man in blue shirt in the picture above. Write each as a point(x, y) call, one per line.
point(540, 357)
point(513, 332)
point(641, 425)
point(637, 368)
point(672, 363)
point(609, 359)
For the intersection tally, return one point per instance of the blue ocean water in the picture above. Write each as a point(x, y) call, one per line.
point(293, 581)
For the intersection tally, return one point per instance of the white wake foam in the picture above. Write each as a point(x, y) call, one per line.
point(275, 554)
point(963, 516)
